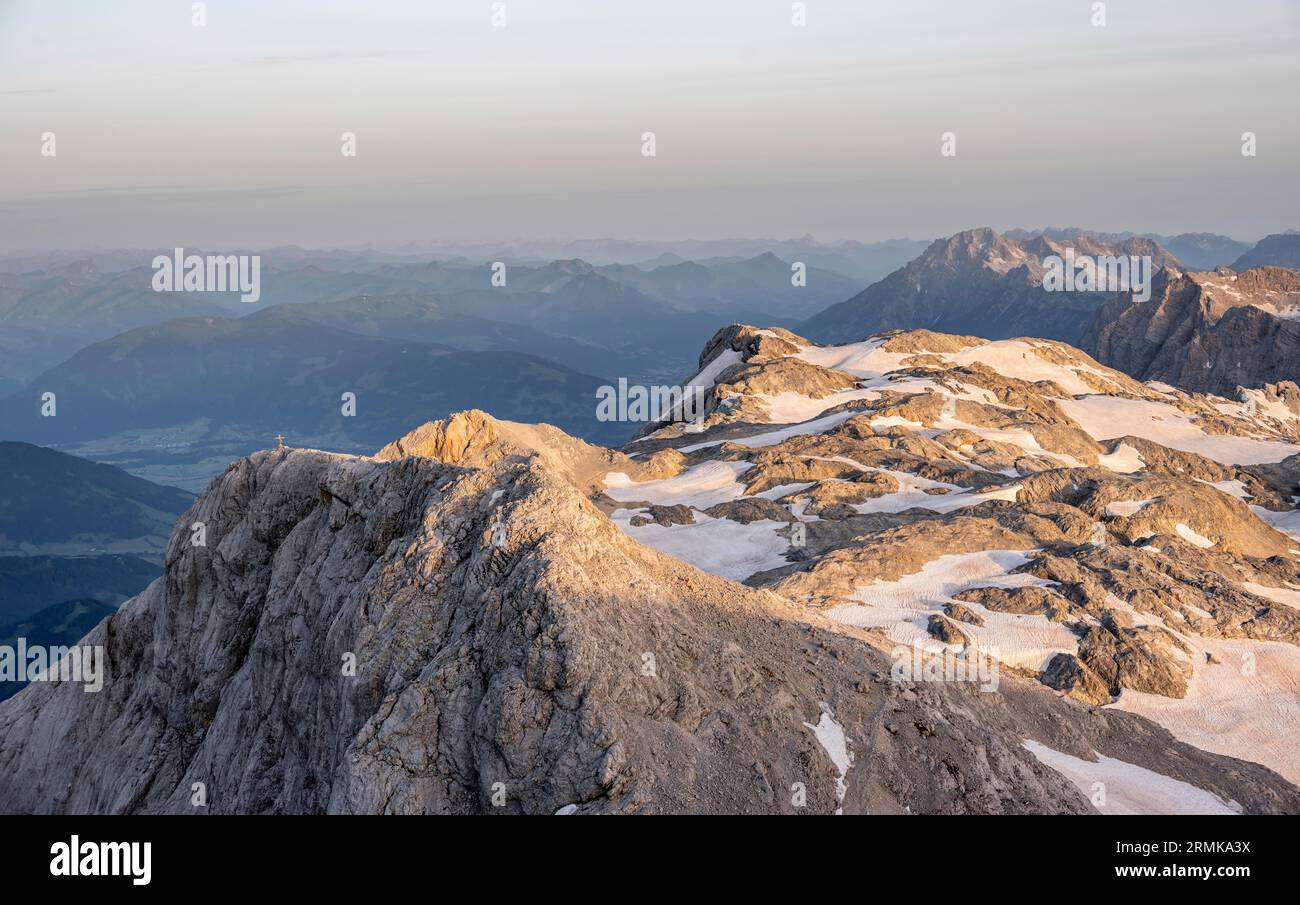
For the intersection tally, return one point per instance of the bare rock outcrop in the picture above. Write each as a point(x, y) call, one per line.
point(1067, 673)
point(944, 629)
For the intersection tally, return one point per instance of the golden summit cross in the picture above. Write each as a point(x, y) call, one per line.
point(279, 441)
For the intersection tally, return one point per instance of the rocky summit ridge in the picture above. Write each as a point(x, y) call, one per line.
point(496, 617)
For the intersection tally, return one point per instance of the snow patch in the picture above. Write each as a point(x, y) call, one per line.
point(1124, 460)
point(1108, 417)
point(1277, 595)
point(771, 438)
point(708, 376)
point(864, 359)
point(795, 408)
point(1127, 507)
point(830, 735)
point(1244, 704)
point(1286, 522)
point(1192, 537)
point(701, 486)
point(912, 495)
point(1129, 789)
point(1233, 488)
point(717, 545)
point(1019, 359)
point(903, 608)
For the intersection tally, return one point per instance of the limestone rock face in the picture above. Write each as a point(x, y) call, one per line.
point(945, 630)
point(963, 614)
point(1136, 658)
point(1206, 332)
point(475, 439)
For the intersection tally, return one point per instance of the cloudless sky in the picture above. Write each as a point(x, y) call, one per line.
point(228, 135)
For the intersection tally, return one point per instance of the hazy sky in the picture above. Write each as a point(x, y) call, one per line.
point(228, 135)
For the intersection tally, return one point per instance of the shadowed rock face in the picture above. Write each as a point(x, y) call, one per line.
point(1208, 332)
point(477, 617)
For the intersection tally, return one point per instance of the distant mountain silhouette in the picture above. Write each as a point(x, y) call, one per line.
point(1279, 250)
point(56, 503)
point(279, 371)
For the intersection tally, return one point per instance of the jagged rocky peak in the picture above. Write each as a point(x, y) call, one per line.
point(982, 282)
point(1206, 332)
point(555, 664)
point(748, 343)
point(983, 247)
point(1275, 290)
point(475, 439)
point(987, 249)
point(730, 615)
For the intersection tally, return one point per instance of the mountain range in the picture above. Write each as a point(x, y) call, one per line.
point(76, 539)
point(59, 625)
point(89, 328)
point(197, 391)
point(48, 314)
point(1199, 251)
point(93, 333)
point(980, 282)
point(34, 583)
